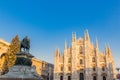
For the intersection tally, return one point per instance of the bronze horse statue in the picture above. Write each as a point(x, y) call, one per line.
point(25, 44)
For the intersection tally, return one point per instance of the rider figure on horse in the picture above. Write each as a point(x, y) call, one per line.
point(25, 44)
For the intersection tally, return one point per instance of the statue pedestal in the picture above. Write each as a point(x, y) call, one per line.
point(24, 54)
point(24, 59)
point(21, 72)
point(22, 69)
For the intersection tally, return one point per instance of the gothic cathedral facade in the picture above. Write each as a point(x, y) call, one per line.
point(83, 61)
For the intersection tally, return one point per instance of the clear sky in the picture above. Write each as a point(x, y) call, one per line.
point(49, 23)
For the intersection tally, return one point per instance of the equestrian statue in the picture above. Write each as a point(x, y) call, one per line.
point(25, 45)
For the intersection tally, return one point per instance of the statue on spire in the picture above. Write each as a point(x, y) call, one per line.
point(86, 36)
point(73, 37)
point(57, 52)
point(97, 44)
point(65, 45)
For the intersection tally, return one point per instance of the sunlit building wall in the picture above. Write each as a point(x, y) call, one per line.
point(83, 61)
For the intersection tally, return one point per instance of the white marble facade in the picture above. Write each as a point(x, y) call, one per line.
point(83, 61)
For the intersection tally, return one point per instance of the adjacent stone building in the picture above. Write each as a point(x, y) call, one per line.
point(44, 69)
point(83, 61)
point(3, 49)
point(3, 46)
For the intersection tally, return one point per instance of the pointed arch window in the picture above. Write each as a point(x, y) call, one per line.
point(93, 59)
point(69, 77)
point(94, 78)
point(103, 68)
point(94, 69)
point(61, 77)
point(80, 51)
point(81, 61)
point(69, 60)
point(104, 78)
point(61, 68)
point(69, 68)
point(81, 76)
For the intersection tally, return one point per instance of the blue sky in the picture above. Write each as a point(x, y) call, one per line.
point(49, 23)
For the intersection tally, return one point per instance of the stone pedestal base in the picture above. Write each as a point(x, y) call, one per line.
point(18, 79)
point(21, 73)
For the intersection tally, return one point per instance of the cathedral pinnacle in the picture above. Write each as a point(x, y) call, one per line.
point(86, 36)
point(109, 47)
point(109, 50)
point(105, 48)
point(73, 37)
point(65, 45)
point(57, 53)
point(96, 43)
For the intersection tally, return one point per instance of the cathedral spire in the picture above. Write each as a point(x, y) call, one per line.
point(109, 47)
point(86, 36)
point(65, 45)
point(73, 37)
point(97, 44)
point(105, 48)
point(109, 50)
point(57, 53)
